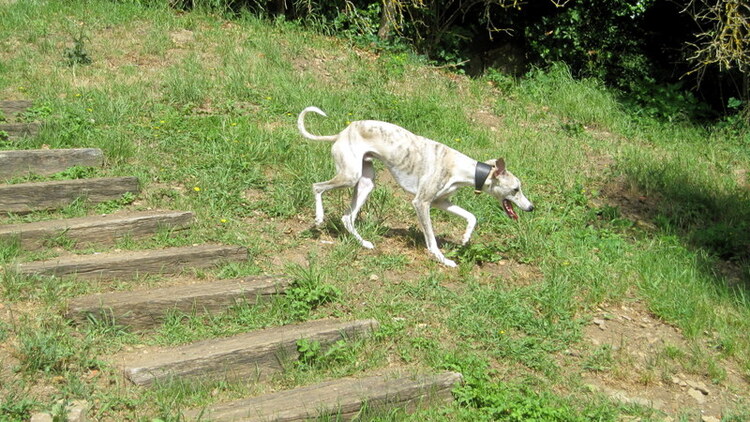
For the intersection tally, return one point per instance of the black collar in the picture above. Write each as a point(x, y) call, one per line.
point(480, 175)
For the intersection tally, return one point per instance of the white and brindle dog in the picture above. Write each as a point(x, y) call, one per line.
point(429, 170)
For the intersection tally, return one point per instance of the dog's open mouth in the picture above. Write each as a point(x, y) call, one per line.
point(508, 206)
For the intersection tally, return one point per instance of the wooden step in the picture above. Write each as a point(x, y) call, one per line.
point(40, 196)
point(250, 356)
point(11, 108)
point(125, 265)
point(14, 131)
point(100, 229)
point(141, 310)
point(341, 399)
point(45, 162)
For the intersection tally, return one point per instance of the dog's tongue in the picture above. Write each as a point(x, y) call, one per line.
point(508, 206)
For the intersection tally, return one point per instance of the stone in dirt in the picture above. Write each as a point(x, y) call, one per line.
point(698, 386)
point(697, 395)
point(74, 412)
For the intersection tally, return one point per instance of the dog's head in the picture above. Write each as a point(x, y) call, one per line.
point(506, 187)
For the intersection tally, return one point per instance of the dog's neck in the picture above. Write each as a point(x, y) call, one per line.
point(481, 173)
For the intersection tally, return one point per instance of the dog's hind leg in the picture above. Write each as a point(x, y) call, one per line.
point(471, 221)
point(362, 190)
point(341, 180)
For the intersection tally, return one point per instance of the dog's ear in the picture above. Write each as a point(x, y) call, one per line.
point(499, 169)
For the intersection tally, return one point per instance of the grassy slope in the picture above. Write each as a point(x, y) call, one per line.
point(203, 109)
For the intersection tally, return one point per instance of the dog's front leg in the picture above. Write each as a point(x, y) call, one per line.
point(471, 221)
point(423, 215)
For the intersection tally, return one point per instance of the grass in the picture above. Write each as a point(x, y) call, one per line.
point(202, 108)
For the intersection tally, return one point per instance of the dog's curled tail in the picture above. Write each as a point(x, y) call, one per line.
point(305, 133)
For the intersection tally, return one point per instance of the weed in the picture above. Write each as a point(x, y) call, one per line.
point(517, 401)
point(35, 112)
point(108, 207)
point(17, 286)
point(16, 406)
point(573, 129)
point(600, 360)
point(104, 324)
point(74, 172)
point(61, 240)
point(77, 54)
point(9, 248)
point(308, 350)
point(477, 253)
point(46, 351)
point(309, 291)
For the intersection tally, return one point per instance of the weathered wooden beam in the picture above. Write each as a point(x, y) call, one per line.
point(341, 399)
point(47, 161)
point(251, 356)
point(39, 196)
point(99, 229)
point(126, 265)
point(13, 107)
point(141, 310)
point(19, 130)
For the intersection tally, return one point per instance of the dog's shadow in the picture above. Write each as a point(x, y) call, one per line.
point(411, 236)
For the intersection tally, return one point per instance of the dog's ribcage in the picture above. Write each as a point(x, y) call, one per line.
point(411, 159)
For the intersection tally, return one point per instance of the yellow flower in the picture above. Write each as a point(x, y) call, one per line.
point(233, 124)
point(89, 109)
point(268, 98)
point(502, 332)
point(197, 189)
point(223, 220)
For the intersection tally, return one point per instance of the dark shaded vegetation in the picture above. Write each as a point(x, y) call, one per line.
point(644, 49)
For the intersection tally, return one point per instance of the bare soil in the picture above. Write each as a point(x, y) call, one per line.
point(648, 367)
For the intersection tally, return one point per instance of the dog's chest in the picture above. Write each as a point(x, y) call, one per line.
point(408, 181)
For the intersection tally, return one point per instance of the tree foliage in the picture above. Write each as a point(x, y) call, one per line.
point(723, 41)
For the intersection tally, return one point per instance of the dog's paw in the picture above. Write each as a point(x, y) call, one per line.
point(445, 261)
point(368, 245)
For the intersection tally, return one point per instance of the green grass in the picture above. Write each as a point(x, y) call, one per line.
point(207, 121)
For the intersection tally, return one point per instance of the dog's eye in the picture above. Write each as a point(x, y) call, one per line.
point(516, 190)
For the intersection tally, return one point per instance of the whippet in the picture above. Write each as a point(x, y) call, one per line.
point(429, 170)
